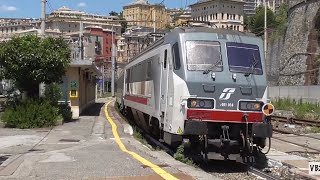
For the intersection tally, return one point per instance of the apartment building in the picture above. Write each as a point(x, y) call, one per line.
point(142, 13)
point(223, 13)
point(251, 5)
point(135, 40)
point(11, 26)
point(67, 20)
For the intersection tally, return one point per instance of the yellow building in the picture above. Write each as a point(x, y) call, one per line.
point(141, 13)
point(226, 14)
point(182, 18)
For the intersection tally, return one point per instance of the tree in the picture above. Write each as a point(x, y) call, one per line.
point(30, 60)
point(256, 23)
point(281, 18)
point(113, 13)
point(124, 23)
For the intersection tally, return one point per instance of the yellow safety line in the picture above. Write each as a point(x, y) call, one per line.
point(145, 162)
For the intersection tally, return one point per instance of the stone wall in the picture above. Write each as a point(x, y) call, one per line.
point(273, 62)
point(289, 57)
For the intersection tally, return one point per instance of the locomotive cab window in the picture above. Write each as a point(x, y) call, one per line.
point(244, 58)
point(204, 55)
point(176, 56)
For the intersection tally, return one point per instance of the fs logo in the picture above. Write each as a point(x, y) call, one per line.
point(226, 93)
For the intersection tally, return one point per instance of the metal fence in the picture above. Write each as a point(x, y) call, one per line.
point(305, 93)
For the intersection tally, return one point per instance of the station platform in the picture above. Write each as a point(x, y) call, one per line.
point(86, 149)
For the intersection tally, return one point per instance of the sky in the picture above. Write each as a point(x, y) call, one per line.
point(32, 8)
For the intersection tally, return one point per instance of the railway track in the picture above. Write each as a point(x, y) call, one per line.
point(297, 134)
point(301, 122)
point(155, 143)
point(297, 121)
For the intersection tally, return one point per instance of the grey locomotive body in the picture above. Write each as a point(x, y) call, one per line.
point(201, 84)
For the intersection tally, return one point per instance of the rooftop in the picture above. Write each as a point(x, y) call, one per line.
point(207, 1)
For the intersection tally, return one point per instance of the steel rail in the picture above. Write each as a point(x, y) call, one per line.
point(297, 121)
point(297, 134)
point(261, 173)
point(290, 142)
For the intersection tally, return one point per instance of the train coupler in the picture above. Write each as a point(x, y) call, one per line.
point(225, 135)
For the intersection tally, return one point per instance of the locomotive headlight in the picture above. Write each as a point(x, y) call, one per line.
point(257, 106)
point(193, 103)
point(201, 103)
point(250, 105)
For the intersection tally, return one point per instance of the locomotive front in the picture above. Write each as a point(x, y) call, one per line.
point(227, 110)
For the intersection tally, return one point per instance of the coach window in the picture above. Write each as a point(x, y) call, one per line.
point(176, 56)
point(128, 81)
point(149, 69)
point(165, 59)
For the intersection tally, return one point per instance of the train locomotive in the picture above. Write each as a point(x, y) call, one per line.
point(201, 85)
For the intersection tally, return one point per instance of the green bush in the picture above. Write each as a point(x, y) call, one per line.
point(65, 112)
point(31, 114)
point(53, 93)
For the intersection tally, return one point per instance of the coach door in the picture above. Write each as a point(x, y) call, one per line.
point(164, 81)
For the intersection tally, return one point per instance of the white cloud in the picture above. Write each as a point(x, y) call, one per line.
point(82, 4)
point(7, 8)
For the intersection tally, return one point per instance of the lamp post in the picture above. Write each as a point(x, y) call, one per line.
point(265, 29)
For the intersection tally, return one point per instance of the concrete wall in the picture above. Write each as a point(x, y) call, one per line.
point(306, 93)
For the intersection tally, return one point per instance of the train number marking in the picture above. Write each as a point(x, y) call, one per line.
point(226, 104)
point(226, 93)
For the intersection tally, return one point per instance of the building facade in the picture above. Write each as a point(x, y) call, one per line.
point(226, 14)
point(66, 20)
point(251, 5)
point(12, 26)
point(141, 13)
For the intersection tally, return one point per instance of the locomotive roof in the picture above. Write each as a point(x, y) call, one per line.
point(210, 30)
point(181, 30)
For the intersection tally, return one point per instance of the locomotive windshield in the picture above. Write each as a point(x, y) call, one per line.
point(203, 55)
point(244, 58)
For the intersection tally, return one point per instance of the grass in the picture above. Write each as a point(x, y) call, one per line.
point(116, 107)
point(314, 130)
point(179, 155)
point(302, 110)
point(138, 136)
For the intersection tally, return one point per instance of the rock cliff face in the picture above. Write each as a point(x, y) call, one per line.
point(292, 59)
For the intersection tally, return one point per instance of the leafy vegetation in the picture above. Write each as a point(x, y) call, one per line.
point(124, 23)
point(30, 60)
point(256, 23)
point(314, 130)
point(138, 136)
point(179, 155)
point(303, 110)
point(53, 93)
point(31, 114)
point(275, 22)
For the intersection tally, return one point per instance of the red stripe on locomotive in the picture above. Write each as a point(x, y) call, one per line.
point(137, 99)
point(223, 116)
